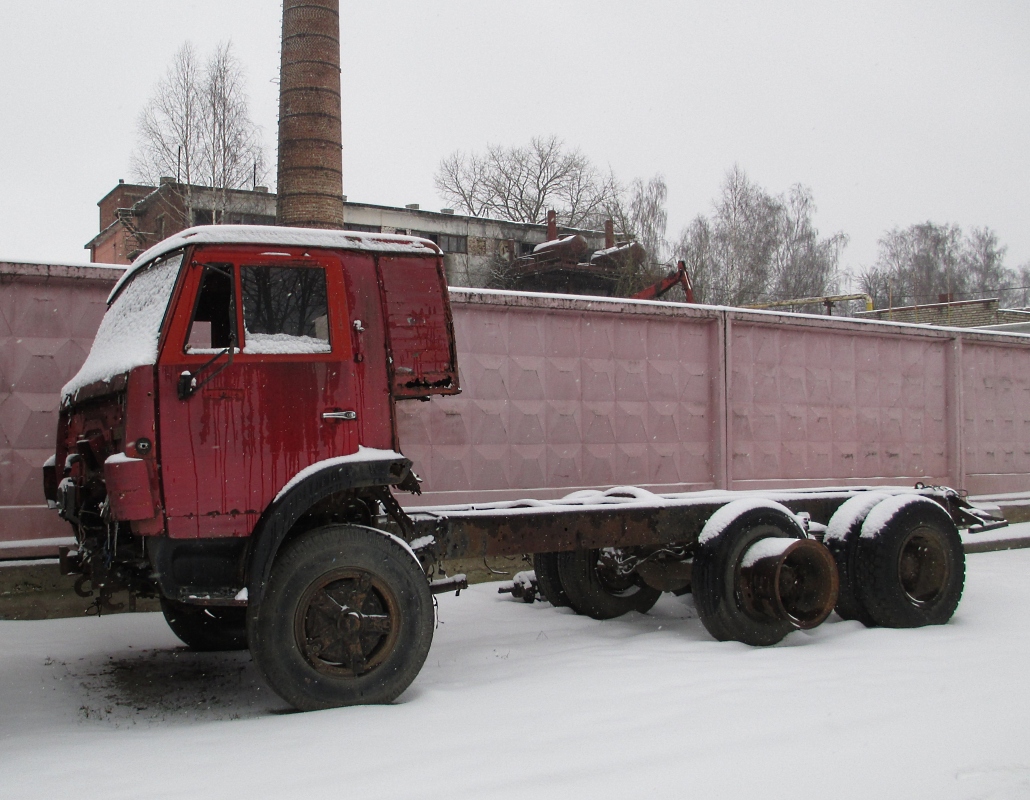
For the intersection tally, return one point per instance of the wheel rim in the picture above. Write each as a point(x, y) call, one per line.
point(347, 622)
point(923, 567)
point(796, 582)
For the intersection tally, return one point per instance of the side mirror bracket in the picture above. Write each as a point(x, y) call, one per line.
point(189, 382)
point(187, 385)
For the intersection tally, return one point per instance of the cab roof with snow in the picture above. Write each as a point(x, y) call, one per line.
point(283, 237)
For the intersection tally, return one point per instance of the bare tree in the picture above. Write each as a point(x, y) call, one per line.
point(803, 264)
point(522, 183)
point(461, 179)
point(730, 254)
point(169, 128)
point(920, 263)
point(983, 260)
point(757, 247)
point(197, 127)
point(1018, 296)
point(231, 151)
point(638, 213)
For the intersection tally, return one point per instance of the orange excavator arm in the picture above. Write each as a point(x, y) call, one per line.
point(677, 276)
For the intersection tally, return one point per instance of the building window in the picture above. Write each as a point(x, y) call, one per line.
point(453, 244)
point(433, 237)
point(353, 226)
point(248, 219)
point(203, 216)
point(526, 248)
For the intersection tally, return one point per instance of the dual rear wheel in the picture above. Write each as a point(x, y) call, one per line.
point(901, 562)
point(889, 560)
point(757, 576)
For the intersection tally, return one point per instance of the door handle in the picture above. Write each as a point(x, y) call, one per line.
point(339, 415)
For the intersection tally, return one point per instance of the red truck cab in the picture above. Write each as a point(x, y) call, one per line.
point(240, 392)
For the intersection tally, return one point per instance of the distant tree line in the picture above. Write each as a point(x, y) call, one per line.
point(752, 247)
point(930, 262)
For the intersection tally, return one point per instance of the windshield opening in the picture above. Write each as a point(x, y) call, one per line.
point(129, 332)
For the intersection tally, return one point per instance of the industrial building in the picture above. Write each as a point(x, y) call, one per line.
point(133, 217)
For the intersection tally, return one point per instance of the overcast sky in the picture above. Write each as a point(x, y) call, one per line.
point(892, 113)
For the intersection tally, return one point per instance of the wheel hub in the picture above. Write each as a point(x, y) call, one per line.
point(788, 580)
point(347, 622)
point(611, 573)
point(922, 567)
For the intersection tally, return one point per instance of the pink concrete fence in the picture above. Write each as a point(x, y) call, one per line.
point(49, 315)
point(562, 393)
point(566, 393)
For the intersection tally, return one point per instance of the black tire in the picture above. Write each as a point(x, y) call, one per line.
point(346, 619)
point(842, 541)
point(207, 628)
point(911, 570)
point(545, 565)
point(715, 577)
point(595, 592)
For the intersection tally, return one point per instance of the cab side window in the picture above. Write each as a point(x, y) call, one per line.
point(285, 310)
point(211, 328)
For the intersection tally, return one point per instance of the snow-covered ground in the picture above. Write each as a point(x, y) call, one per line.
point(529, 701)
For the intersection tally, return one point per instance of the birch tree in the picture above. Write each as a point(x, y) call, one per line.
point(929, 261)
point(196, 127)
point(756, 246)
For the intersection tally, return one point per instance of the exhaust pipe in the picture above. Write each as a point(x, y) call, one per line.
point(789, 580)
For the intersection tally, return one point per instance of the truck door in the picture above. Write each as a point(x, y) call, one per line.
point(254, 384)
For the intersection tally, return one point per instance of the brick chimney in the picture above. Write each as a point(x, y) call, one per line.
point(310, 191)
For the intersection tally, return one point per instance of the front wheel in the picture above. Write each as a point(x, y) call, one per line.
point(346, 619)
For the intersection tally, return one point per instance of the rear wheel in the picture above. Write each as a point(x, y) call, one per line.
point(346, 619)
point(761, 608)
point(545, 565)
point(207, 628)
point(596, 588)
point(911, 565)
point(842, 541)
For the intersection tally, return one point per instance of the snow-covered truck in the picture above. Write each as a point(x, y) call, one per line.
point(238, 438)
